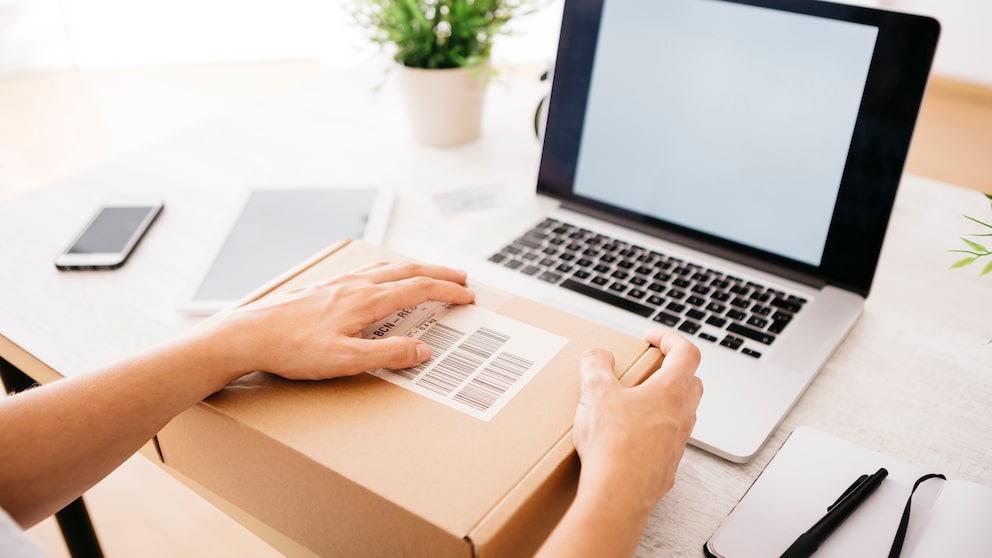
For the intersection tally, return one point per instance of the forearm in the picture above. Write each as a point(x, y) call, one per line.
point(604, 521)
point(60, 439)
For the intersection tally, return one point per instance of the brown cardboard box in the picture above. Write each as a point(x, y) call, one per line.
point(360, 467)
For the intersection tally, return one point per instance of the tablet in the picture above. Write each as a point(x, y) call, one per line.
point(278, 229)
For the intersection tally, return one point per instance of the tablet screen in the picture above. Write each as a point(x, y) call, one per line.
point(278, 229)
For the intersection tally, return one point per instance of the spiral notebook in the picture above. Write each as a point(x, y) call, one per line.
point(948, 518)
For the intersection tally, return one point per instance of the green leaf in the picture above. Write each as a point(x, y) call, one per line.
point(964, 262)
point(977, 221)
point(987, 270)
point(975, 246)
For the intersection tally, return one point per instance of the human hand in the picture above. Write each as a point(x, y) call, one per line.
point(312, 333)
point(630, 440)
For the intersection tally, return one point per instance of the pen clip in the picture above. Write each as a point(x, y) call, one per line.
point(847, 492)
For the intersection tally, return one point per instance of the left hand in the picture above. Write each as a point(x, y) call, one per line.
point(311, 333)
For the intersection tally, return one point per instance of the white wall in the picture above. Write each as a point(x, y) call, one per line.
point(44, 34)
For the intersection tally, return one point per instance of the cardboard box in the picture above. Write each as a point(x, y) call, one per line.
point(361, 467)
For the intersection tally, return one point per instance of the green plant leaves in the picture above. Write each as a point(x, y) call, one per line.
point(436, 34)
point(964, 262)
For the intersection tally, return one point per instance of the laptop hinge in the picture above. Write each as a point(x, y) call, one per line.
point(701, 245)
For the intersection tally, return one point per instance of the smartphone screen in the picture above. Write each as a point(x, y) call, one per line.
point(111, 230)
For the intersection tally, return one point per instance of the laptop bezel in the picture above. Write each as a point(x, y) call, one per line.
point(894, 90)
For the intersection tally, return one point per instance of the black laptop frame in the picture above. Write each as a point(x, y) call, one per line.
point(894, 89)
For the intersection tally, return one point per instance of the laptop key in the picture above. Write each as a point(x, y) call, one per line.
point(732, 342)
point(675, 307)
point(602, 296)
point(751, 353)
point(618, 287)
point(750, 333)
point(778, 326)
point(695, 314)
point(530, 270)
point(695, 300)
point(550, 277)
point(636, 293)
point(784, 304)
point(757, 322)
point(666, 319)
point(735, 315)
point(581, 274)
point(689, 327)
point(716, 307)
point(514, 264)
point(600, 280)
point(497, 258)
point(707, 337)
point(638, 281)
point(656, 300)
point(716, 321)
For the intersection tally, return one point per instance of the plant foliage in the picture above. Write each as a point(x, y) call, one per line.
point(976, 250)
point(437, 34)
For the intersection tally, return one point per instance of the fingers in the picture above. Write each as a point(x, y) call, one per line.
point(596, 369)
point(681, 356)
point(416, 290)
point(391, 352)
point(385, 272)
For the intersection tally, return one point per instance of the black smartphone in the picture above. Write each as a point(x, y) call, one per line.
point(110, 236)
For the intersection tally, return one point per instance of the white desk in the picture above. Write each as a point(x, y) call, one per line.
point(912, 380)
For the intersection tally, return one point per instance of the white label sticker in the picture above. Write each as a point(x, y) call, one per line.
point(479, 359)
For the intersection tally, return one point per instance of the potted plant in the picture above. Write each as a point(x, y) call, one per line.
point(442, 50)
point(976, 251)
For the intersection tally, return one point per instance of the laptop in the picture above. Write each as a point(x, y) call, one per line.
point(725, 169)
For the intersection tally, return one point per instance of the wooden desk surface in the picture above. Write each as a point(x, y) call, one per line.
point(911, 380)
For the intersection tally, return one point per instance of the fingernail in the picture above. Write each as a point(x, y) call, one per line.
point(423, 351)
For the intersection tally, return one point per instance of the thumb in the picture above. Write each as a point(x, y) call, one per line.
point(596, 369)
point(392, 352)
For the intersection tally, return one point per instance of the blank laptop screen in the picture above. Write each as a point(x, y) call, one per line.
point(729, 119)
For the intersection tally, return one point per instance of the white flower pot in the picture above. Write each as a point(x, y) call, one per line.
point(444, 107)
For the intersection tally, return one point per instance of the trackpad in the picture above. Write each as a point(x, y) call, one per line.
point(587, 309)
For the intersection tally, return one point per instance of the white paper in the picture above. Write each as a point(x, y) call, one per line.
point(479, 359)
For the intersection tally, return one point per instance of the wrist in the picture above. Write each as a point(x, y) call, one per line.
point(616, 494)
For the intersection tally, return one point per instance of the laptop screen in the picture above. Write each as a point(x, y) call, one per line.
point(772, 130)
point(736, 122)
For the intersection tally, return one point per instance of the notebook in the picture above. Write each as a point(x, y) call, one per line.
point(948, 517)
point(722, 168)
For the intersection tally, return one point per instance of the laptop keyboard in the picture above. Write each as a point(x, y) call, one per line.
point(739, 314)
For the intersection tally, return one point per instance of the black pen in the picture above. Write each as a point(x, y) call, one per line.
point(808, 542)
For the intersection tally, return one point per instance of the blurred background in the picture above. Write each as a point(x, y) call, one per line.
point(86, 81)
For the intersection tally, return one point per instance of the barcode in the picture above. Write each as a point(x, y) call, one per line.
point(498, 376)
point(439, 338)
point(451, 371)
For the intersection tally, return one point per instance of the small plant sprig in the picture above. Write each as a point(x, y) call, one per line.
point(975, 250)
point(436, 34)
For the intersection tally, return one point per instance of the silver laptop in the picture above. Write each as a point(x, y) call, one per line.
point(725, 169)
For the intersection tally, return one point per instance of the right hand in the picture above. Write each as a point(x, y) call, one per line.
point(631, 440)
